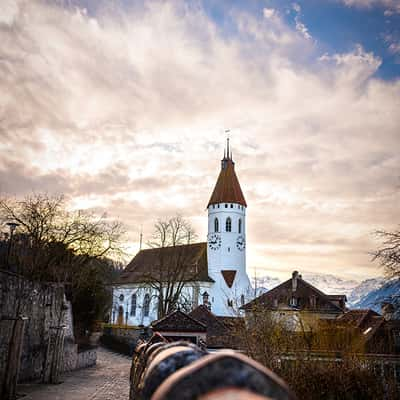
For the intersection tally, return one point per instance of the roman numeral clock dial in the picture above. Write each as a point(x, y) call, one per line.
point(214, 242)
point(240, 243)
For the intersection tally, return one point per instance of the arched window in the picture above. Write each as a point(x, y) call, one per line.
point(240, 225)
point(133, 305)
point(146, 305)
point(216, 225)
point(228, 225)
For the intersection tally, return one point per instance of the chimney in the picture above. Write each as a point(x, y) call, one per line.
point(295, 275)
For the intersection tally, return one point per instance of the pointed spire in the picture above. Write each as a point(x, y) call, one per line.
point(227, 188)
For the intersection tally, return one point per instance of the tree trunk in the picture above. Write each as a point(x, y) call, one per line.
point(55, 355)
point(9, 389)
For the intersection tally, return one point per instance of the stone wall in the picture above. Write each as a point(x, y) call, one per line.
point(42, 305)
point(123, 340)
point(45, 307)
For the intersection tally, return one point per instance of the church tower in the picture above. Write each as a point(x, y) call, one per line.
point(226, 241)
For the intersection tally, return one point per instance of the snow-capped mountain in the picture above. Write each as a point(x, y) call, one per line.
point(389, 291)
point(331, 284)
point(327, 283)
point(264, 284)
point(362, 290)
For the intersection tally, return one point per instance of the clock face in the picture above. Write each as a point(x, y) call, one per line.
point(214, 241)
point(240, 243)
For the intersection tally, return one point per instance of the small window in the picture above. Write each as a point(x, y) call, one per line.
point(133, 305)
point(293, 302)
point(226, 205)
point(275, 302)
point(146, 305)
point(121, 297)
point(229, 249)
point(231, 205)
point(240, 225)
point(213, 205)
point(242, 299)
point(230, 303)
point(228, 225)
point(216, 225)
point(217, 205)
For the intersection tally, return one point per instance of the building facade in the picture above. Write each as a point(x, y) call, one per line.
point(214, 271)
point(297, 304)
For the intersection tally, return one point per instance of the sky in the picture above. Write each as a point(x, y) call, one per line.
point(123, 105)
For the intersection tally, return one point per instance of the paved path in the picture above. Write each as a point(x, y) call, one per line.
point(108, 380)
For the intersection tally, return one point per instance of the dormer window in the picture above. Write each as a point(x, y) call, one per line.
point(228, 225)
point(293, 302)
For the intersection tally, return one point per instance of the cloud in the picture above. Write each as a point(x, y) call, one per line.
point(300, 26)
point(392, 6)
point(269, 12)
point(124, 110)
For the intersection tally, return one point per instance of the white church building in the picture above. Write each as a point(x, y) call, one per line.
point(217, 268)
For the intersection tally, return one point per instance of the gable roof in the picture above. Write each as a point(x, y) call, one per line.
point(227, 189)
point(358, 317)
point(304, 290)
point(221, 331)
point(178, 321)
point(184, 262)
point(205, 316)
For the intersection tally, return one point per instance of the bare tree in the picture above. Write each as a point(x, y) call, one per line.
point(72, 248)
point(51, 240)
point(388, 255)
point(175, 267)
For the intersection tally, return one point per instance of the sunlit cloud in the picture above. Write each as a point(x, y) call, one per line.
point(124, 110)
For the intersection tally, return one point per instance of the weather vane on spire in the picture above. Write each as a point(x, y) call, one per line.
point(228, 156)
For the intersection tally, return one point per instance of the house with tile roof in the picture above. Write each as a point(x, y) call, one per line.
point(297, 303)
point(212, 273)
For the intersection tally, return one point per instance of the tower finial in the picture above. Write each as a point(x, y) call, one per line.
point(227, 144)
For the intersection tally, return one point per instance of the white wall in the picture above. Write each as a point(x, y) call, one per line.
point(190, 293)
point(227, 257)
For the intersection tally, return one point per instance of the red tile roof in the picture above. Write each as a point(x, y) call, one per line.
point(178, 321)
point(303, 292)
point(227, 188)
point(221, 331)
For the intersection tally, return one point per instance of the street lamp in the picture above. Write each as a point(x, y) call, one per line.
point(12, 226)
